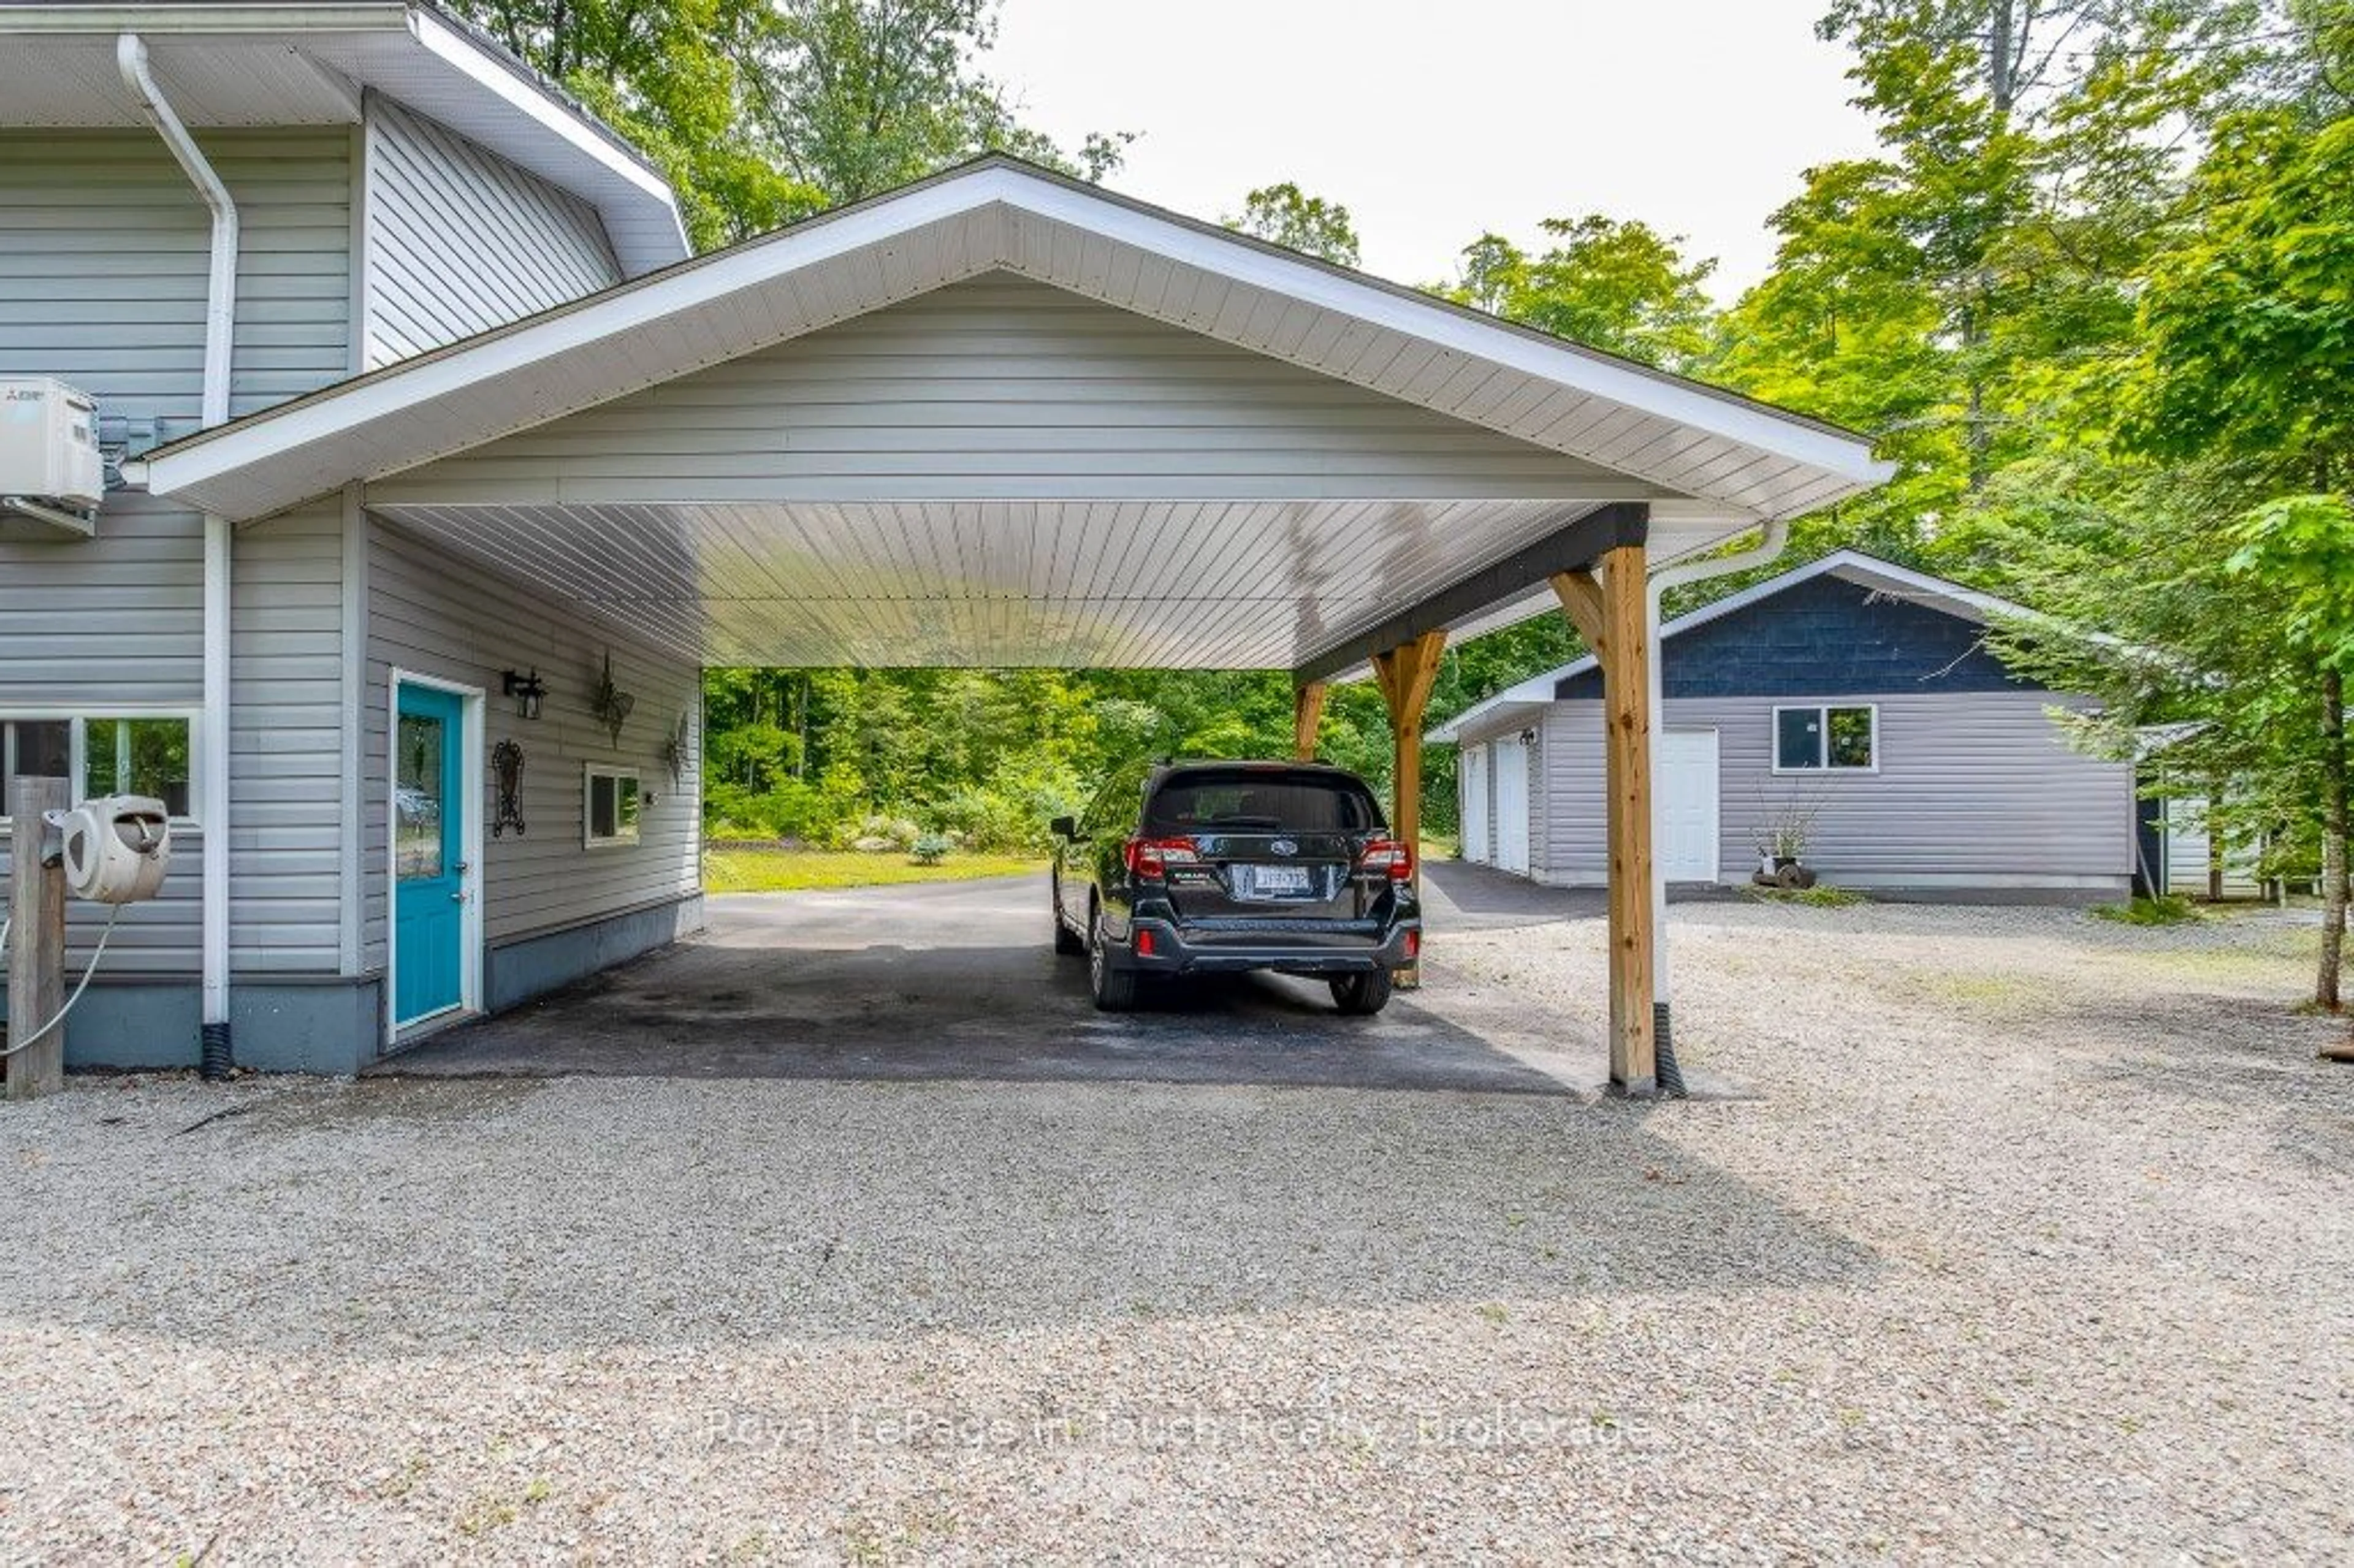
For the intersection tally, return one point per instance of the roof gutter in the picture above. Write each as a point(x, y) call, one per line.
point(212, 735)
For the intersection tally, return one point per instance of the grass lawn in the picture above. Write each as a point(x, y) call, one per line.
point(789, 871)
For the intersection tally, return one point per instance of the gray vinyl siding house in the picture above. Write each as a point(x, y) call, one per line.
point(362, 242)
point(1962, 779)
point(400, 588)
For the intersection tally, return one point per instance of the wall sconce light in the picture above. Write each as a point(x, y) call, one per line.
point(527, 691)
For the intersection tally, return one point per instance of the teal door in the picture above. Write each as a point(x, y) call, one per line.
point(428, 895)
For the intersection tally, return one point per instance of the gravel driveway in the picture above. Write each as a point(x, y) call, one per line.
point(2037, 1246)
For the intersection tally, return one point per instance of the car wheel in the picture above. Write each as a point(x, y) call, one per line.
point(1114, 988)
point(1363, 995)
point(1066, 940)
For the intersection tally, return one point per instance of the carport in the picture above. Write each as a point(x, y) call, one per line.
point(1001, 418)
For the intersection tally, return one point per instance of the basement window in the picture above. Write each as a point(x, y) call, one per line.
point(1826, 740)
point(610, 806)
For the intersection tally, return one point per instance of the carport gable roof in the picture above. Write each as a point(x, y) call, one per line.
point(1518, 703)
point(1676, 437)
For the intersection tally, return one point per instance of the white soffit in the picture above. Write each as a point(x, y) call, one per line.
point(263, 65)
point(1148, 584)
point(1678, 435)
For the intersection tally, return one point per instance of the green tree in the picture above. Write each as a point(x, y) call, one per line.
point(679, 78)
point(1618, 286)
point(2248, 355)
point(1285, 215)
point(762, 112)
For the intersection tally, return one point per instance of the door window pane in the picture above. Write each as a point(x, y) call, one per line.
point(1851, 737)
point(138, 757)
point(416, 799)
point(1798, 738)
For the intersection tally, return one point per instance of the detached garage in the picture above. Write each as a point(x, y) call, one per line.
point(1850, 705)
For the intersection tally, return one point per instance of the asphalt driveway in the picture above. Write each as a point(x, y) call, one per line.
point(958, 980)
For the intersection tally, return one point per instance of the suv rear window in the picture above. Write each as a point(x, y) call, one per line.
point(1246, 800)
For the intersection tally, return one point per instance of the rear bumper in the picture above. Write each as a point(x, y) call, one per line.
point(1177, 950)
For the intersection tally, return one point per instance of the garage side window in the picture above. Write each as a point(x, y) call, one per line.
point(611, 806)
point(1830, 740)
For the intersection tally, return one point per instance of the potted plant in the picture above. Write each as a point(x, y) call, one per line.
point(1781, 838)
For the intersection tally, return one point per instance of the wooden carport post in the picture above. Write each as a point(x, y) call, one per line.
point(1604, 602)
point(1406, 675)
point(1307, 713)
point(36, 943)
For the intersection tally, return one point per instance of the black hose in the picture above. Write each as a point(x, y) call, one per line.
point(218, 1061)
point(1663, 1046)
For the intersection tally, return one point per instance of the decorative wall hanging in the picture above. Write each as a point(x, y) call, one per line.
point(609, 703)
point(506, 768)
point(673, 753)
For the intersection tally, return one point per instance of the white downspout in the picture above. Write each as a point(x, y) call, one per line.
point(220, 328)
point(1770, 545)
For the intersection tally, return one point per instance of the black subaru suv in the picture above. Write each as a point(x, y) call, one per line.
point(1192, 867)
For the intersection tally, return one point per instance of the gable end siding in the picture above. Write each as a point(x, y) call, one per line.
point(1820, 638)
point(460, 241)
point(997, 387)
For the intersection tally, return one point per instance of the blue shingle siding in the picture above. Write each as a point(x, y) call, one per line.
point(1824, 637)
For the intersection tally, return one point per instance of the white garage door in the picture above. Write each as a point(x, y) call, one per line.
point(1474, 764)
point(1511, 783)
point(1687, 789)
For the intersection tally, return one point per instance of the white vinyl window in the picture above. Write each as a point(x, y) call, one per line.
point(1832, 738)
point(151, 753)
point(610, 804)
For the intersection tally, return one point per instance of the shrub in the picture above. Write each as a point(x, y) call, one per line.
point(2167, 909)
point(929, 849)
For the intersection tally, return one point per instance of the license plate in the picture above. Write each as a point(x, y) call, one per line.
point(1278, 881)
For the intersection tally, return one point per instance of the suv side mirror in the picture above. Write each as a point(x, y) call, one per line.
point(1063, 828)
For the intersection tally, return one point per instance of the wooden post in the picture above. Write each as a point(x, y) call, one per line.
point(37, 942)
point(1307, 713)
point(1607, 609)
point(1405, 676)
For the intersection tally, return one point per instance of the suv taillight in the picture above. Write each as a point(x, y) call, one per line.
point(1386, 857)
point(1151, 858)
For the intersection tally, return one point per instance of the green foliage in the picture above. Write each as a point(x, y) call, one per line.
point(2300, 550)
point(831, 757)
point(931, 849)
point(2172, 909)
point(740, 870)
point(1821, 895)
point(1622, 287)
point(1285, 215)
point(2248, 323)
point(762, 111)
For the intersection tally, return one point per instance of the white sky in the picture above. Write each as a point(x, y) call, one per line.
point(1435, 122)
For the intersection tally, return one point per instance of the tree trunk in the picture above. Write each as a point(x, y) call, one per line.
point(2002, 61)
point(2333, 838)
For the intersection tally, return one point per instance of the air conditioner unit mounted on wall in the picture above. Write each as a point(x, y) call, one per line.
point(51, 472)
